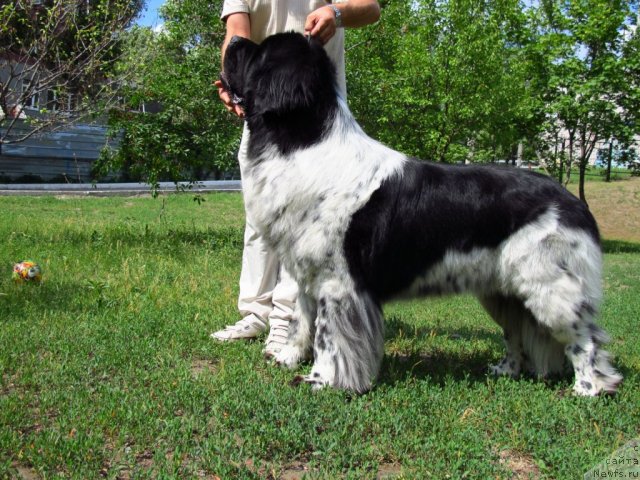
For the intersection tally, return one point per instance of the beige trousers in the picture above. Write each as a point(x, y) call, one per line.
point(266, 289)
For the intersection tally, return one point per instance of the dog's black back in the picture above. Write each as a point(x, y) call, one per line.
point(415, 217)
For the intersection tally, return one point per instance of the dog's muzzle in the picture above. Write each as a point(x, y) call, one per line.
point(237, 100)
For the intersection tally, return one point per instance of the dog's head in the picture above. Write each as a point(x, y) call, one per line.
point(238, 57)
point(286, 72)
point(288, 81)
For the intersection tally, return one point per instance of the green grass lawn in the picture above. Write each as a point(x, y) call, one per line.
point(107, 369)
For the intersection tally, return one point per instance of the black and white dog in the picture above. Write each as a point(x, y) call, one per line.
point(357, 223)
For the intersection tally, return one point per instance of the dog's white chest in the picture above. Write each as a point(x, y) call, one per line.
point(303, 203)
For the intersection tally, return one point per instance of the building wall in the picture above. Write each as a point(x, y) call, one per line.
point(67, 153)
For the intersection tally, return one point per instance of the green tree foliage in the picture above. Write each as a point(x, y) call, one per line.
point(452, 81)
point(629, 100)
point(589, 93)
point(445, 80)
point(171, 124)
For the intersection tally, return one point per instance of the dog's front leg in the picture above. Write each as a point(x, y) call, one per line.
point(301, 328)
point(349, 340)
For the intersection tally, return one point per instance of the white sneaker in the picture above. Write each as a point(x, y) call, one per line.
point(278, 334)
point(249, 327)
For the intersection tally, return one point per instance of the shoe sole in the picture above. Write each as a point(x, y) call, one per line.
point(231, 339)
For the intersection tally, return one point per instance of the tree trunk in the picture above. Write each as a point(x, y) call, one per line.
point(609, 160)
point(583, 169)
point(582, 166)
point(561, 166)
point(520, 154)
point(570, 162)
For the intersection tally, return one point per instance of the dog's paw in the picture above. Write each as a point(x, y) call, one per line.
point(290, 357)
point(314, 379)
point(585, 388)
point(507, 367)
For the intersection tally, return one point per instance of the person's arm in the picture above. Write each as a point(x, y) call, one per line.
point(321, 23)
point(237, 24)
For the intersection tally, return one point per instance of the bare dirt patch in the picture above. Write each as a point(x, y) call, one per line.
point(26, 473)
point(8, 384)
point(301, 469)
point(389, 471)
point(522, 466)
point(201, 366)
point(295, 472)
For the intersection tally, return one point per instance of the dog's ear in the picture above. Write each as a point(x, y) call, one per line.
point(292, 76)
point(237, 59)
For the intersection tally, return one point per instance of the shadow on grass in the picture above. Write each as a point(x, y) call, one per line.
point(441, 363)
point(437, 367)
point(446, 363)
point(394, 326)
point(211, 238)
point(20, 301)
point(620, 246)
point(440, 367)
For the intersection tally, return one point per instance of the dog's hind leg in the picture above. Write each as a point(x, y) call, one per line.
point(349, 340)
point(530, 346)
point(301, 329)
point(507, 313)
point(582, 340)
point(559, 281)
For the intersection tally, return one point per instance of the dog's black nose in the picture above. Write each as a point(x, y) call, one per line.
point(234, 39)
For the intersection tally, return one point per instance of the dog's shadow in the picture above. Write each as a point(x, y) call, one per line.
point(439, 364)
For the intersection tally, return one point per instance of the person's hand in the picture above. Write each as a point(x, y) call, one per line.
point(226, 99)
point(321, 24)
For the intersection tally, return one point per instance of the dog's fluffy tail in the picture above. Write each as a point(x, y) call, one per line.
point(543, 355)
point(530, 346)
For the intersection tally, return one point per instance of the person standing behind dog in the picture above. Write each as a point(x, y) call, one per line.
point(267, 292)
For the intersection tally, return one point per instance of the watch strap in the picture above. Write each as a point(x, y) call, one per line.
point(338, 14)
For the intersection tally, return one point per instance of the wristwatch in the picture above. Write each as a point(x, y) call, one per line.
point(338, 13)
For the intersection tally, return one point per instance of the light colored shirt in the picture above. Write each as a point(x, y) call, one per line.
point(275, 16)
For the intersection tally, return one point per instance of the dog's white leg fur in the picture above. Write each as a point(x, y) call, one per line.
point(301, 332)
point(558, 278)
point(594, 373)
point(349, 340)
